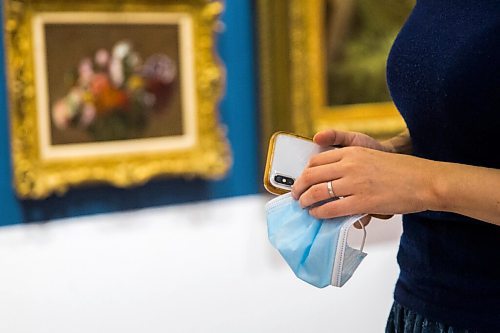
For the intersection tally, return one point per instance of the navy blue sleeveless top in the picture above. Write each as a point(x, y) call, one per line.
point(443, 73)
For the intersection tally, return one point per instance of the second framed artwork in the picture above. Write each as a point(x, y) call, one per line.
point(116, 93)
point(322, 65)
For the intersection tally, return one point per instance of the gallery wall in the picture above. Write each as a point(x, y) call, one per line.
point(238, 112)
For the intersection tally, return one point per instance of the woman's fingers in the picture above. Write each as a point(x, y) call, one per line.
point(315, 175)
point(322, 167)
point(342, 207)
point(320, 192)
point(326, 157)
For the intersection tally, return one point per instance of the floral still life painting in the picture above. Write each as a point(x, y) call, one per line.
point(112, 93)
point(122, 83)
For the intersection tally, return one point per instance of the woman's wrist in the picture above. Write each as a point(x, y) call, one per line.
point(434, 188)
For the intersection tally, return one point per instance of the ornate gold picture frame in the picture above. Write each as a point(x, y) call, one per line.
point(293, 75)
point(116, 92)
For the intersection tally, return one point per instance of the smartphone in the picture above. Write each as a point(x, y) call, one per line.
point(287, 156)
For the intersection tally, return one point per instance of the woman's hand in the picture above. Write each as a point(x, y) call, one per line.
point(345, 139)
point(376, 178)
point(370, 181)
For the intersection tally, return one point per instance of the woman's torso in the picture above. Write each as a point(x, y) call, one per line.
point(444, 76)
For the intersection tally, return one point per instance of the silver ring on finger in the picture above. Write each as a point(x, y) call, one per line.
point(331, 192)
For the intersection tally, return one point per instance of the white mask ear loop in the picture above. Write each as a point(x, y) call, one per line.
point(364, 236)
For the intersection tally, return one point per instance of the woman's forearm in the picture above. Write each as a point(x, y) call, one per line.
point(467, 190)
point(458, 188)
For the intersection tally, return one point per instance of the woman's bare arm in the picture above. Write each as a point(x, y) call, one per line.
point(468, 190)
point(463, 189)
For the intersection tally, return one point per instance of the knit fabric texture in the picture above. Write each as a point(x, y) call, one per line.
point(443, 73)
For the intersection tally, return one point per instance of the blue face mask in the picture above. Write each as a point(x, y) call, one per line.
point(316, 250)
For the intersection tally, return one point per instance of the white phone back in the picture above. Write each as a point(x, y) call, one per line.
point(290, 157)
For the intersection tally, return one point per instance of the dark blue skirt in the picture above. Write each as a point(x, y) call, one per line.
point(403, 320)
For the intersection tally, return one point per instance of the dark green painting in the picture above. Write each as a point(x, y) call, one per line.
point(359, 34)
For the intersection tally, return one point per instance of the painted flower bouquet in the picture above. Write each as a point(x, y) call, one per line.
point(113, 94)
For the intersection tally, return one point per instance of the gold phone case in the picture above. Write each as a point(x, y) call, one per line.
point(270, 156)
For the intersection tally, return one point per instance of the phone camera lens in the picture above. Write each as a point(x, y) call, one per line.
point(284, 180)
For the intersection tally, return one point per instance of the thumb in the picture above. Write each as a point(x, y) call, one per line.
point(334, 138)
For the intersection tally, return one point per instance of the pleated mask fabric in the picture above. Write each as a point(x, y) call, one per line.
point(316, 250)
